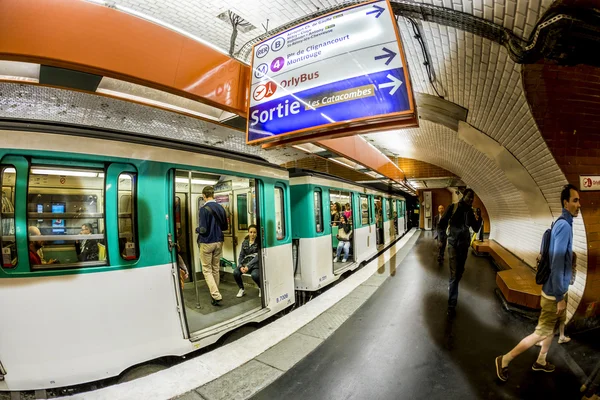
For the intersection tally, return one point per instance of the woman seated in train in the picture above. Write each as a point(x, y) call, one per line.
point(248, 261)
point(87, 250)
point(344, 237)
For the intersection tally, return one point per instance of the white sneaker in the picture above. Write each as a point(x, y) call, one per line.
point(241, 292)
point(345, 260)
point(335, 259)
point(259, 293)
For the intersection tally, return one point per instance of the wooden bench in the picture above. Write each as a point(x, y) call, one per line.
point(516, 280)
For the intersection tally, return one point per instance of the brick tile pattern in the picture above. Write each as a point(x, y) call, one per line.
point(565, 102)
point(200, 17)
point(415, 169)
point(320, 164)
point(50, 104)
point(478, 74)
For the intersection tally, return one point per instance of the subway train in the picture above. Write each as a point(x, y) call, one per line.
point(377, 218)
point(93, 222)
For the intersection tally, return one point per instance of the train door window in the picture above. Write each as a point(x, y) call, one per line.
point(128, 245)
point(318, 204)
point(7, 217)
point(388, 210)
point(242, 212)
point(279, 214)
point(364, 210)
point(65, 217)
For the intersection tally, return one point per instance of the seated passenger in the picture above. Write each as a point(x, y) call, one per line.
point(35, 248)
point(248, 261)
point(344, 236)
point(87, 250)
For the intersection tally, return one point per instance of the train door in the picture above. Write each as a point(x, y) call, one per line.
point(394, 224)
point(232, 194)
point(342, 234)
point(379, 219)
point(244, 215)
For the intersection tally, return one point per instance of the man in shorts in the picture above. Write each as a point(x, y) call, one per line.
point(554, 291)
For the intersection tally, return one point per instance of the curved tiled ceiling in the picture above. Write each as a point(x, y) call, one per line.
point(200, 18)
point(478, 74)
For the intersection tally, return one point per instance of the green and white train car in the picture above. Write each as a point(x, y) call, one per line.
point(89, 284)
point(315, 234)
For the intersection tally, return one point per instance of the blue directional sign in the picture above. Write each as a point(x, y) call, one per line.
point(344, 67)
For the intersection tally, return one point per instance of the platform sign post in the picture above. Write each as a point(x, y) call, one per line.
point(336, 75)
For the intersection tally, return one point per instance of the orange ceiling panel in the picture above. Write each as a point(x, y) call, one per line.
point(357, 149)
point(88, 37)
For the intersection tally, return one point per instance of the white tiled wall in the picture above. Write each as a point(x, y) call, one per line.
point(199, 17)
point(478, 75)
point(49, 104)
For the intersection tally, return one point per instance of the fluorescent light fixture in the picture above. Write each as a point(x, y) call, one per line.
point(309, 148)
point(59, 172)
point(196, 181)
point(341, 163)
point(166, 25)
point(151, 102)
point(19, 71)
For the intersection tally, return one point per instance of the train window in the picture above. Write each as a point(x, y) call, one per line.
point(388, 210)
point(279, 214)
point(7, 217)
point(65, 218)
point(242, 212)
point(128, 245)
point(318, 200)
point(364, 210)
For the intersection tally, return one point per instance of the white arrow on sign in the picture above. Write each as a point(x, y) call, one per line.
point(394, 84)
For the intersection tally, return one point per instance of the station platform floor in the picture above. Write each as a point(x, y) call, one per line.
point(381, 333)
point(401, 344)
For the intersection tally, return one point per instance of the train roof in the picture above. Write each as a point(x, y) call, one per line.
point(128, 137)
point(380, 187)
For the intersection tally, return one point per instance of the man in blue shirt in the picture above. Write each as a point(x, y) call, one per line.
point(554, 291)
point(213, 221)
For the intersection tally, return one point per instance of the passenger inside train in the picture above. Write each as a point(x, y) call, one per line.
point(336, 209)
point(88, 249)
point(344, 237)
point(248, 261)
point(237, 197)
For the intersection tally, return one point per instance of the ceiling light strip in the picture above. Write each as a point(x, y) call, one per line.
point(161, 23)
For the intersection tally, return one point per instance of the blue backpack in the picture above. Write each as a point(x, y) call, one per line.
point(543, 262)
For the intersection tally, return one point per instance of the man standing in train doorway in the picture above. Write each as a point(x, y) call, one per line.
point(439, 236)
point(455, 223)
point(554, 290)
point(213, 221)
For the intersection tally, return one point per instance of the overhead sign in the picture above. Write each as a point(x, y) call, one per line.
point(339, 71)
point(588, 183)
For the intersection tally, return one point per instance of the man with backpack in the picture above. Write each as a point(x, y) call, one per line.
point(213, 221)
point(559, 255)
point(455, 224)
